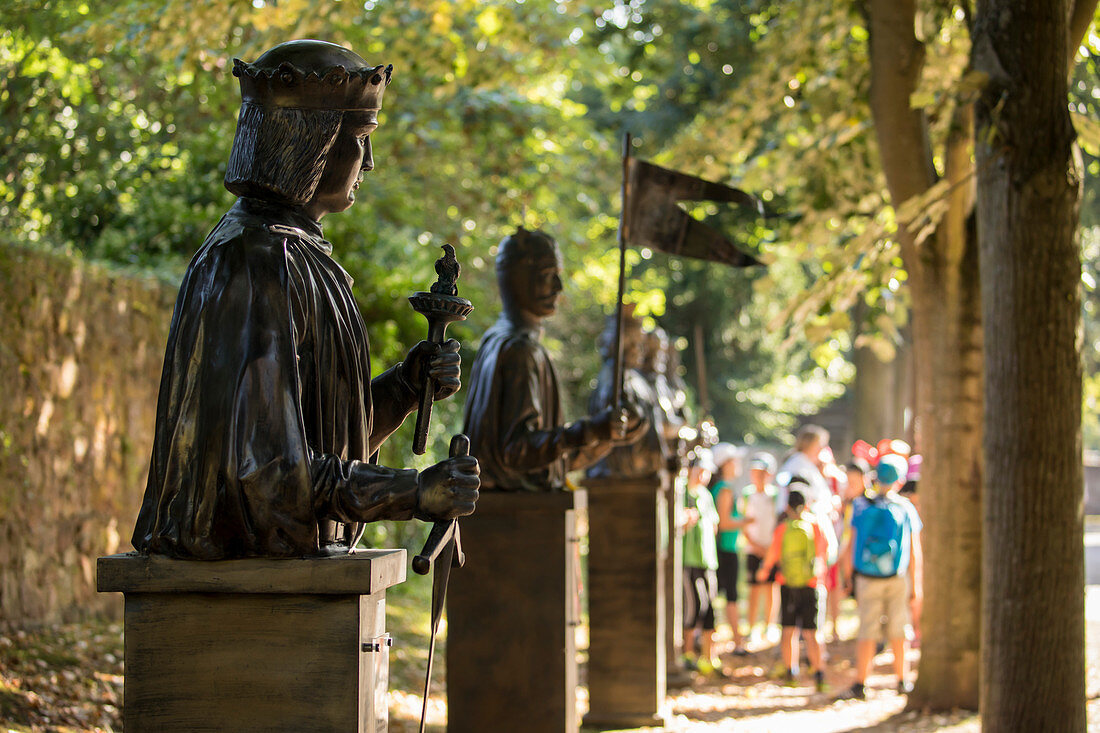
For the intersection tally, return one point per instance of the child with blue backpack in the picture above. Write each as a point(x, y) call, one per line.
point(884, 554)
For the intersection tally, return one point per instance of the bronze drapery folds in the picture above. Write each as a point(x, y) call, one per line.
point(267, 415)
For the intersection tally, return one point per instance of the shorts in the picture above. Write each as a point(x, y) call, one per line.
point(798, 607)
point(699, 586)
point(883, 605)
point(752, 565)
point(729, 566)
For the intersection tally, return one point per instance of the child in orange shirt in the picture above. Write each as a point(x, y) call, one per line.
point(799, 547)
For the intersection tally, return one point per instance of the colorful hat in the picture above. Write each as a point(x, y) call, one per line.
point(891, 469)
point(723, 453)
point(763, 461)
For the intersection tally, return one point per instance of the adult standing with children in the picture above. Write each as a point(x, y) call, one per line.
point(804, 468)
point(731, 521)
point(760, 507)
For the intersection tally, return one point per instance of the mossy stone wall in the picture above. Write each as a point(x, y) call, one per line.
point(80, 358)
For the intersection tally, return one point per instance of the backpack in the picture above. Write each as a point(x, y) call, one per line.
point(880, 537)
point(797, 553)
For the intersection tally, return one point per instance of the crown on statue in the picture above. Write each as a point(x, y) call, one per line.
point(312, 75)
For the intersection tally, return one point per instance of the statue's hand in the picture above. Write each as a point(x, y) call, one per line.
point(636, 425)
point(441, 362)
point(448, 490)
point(620, 427)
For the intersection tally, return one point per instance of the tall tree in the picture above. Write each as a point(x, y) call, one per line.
point(941, 257)
point(1029, 180)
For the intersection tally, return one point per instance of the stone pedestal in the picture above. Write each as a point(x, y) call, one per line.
point(255, 644)
point(627, 550)
point(511, 615)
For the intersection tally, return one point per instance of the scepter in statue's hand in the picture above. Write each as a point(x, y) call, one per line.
point(441, 306)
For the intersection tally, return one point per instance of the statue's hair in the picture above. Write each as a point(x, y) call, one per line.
point(279, 153)
point(522, 245)
point(656, 343)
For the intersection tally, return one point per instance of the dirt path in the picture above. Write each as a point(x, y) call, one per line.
point(749, 702)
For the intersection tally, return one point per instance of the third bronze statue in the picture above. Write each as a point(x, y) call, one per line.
point(659, 365)
point(650, 453)
point(267, 416)
point(514, 414)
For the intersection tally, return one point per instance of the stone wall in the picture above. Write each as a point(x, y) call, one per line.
point(80, 358)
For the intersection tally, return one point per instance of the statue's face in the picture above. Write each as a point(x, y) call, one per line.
point(656, 350)
point(633, 345)
point(347, 159)
point(534, 284)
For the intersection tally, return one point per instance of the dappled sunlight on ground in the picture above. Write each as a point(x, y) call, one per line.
point(69, 678)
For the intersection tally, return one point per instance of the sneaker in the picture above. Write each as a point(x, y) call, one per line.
point(819, 682)
point(789, 680)
point(690, 664)
point(779, 671)
point(740, 651)
point(704, 666)
point(855, 692)
point(904, 687)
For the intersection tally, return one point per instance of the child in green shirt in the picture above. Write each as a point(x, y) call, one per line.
point(700, 555)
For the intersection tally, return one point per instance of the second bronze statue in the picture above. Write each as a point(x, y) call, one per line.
point(514, 414)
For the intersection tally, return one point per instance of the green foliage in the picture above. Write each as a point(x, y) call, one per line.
point(795, 128)
point(770, 98)
point(117, 120)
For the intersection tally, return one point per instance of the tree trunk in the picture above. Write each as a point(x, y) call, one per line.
point(947, 344)
point(1033, 665)
point(881, 395)
point(948, 323)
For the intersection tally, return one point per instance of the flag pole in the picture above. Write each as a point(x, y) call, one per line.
point(617, 394)
point(701, 373)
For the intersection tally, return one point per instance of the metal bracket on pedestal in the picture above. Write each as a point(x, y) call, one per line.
point(375, 645)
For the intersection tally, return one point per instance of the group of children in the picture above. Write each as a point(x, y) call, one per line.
point(862, 538)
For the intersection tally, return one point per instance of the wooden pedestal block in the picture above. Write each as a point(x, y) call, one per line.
point(255, 644)
point(511, 614)
point(677, 674)
point(627, 547)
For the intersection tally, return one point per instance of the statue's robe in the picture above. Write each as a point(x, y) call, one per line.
point(514, 415)
point(672, 403)
point(267, 417)
point(651, 452)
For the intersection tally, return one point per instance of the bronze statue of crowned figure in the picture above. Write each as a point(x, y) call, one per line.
point(267, 416)
point(514, 413)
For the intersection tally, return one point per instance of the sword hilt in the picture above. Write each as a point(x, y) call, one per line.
point(445, 531)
